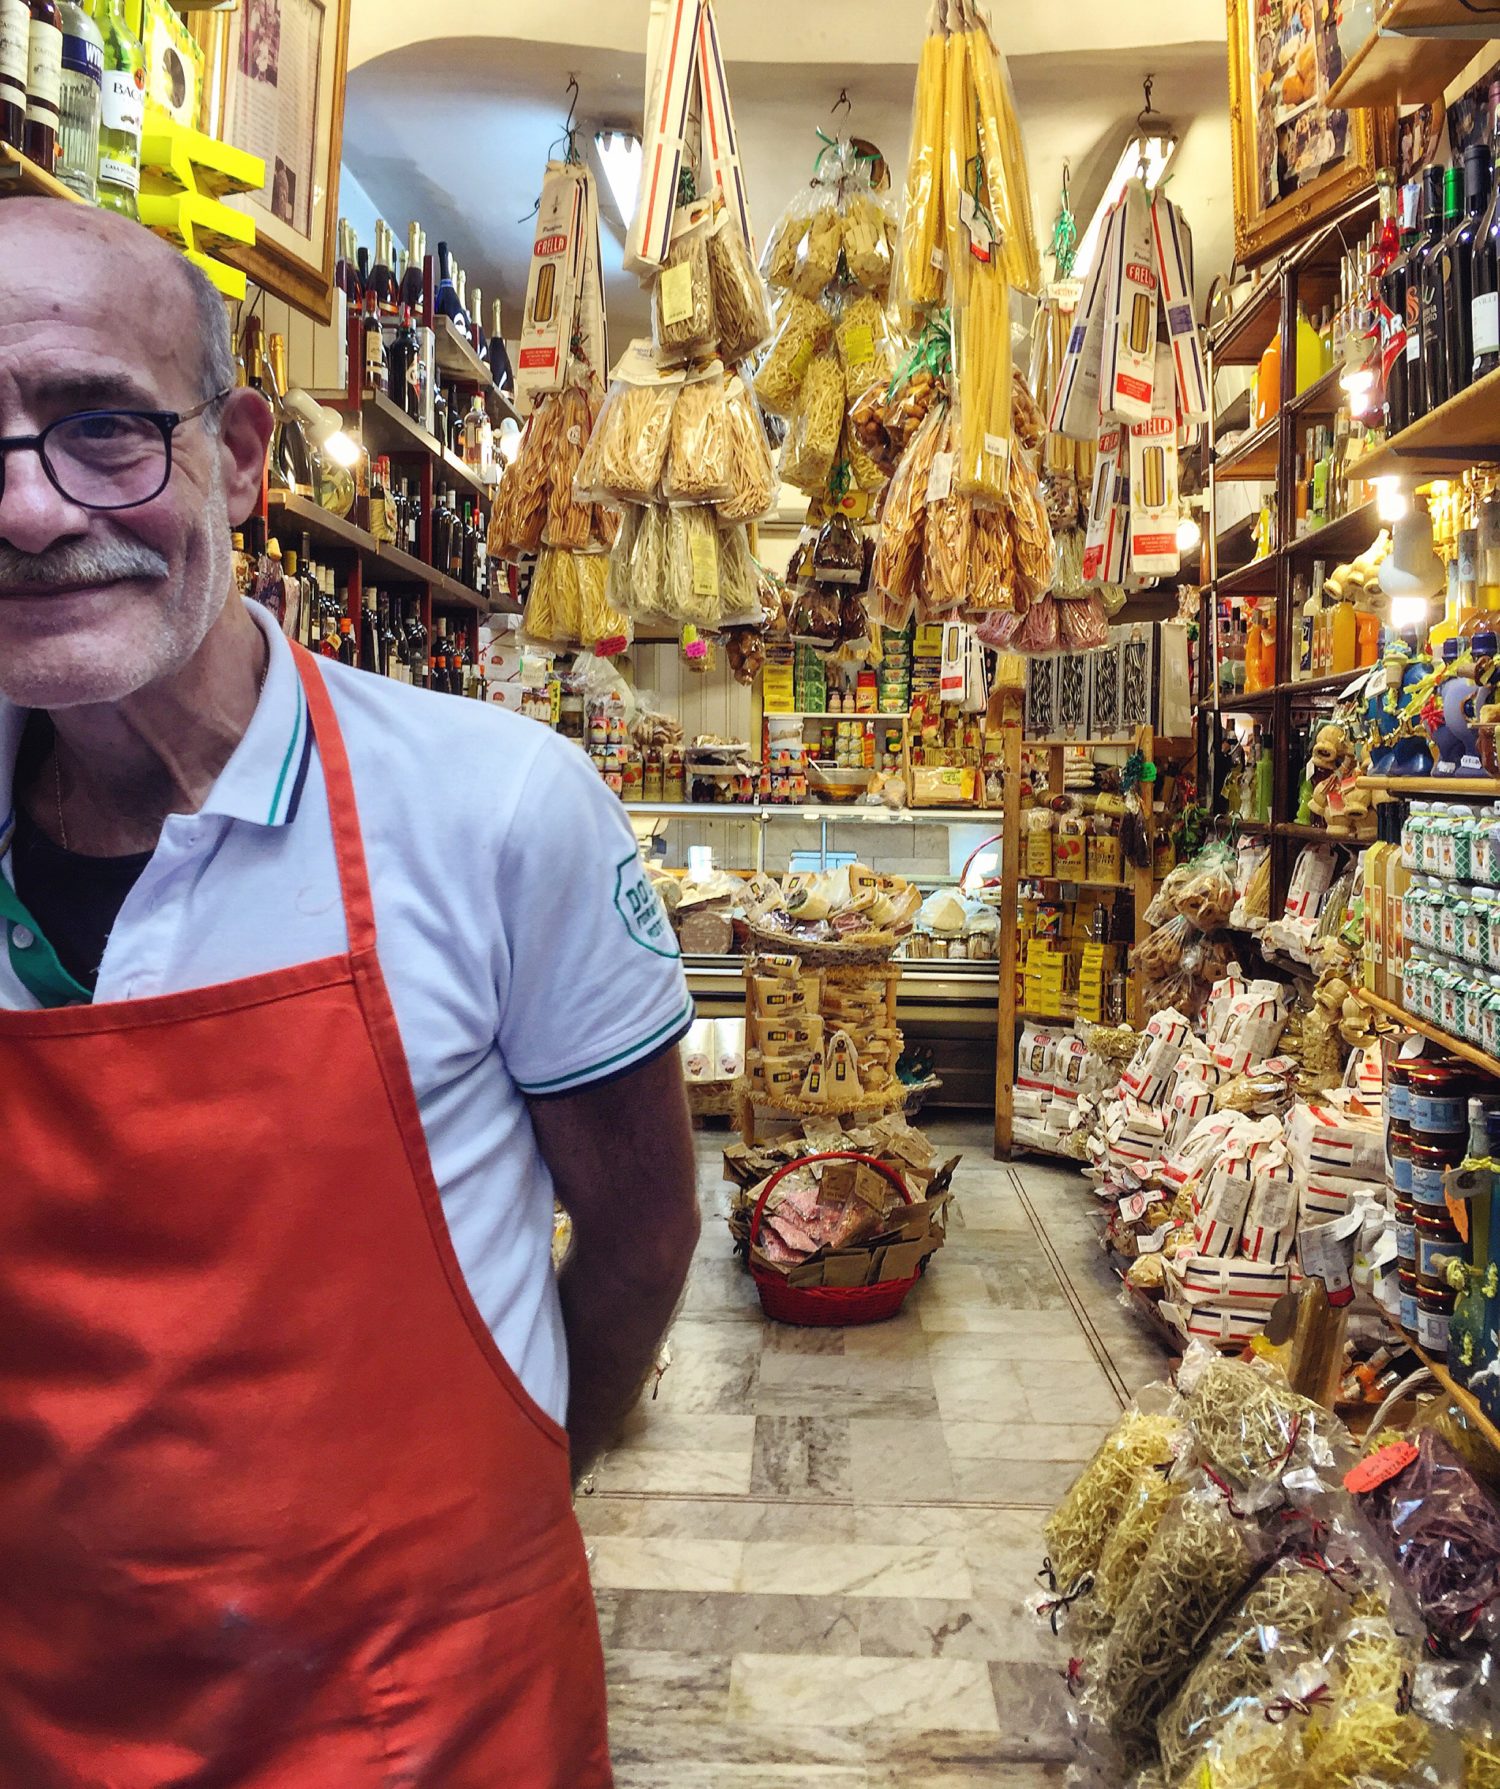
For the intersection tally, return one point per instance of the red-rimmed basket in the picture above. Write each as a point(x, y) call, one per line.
point(826, 1307)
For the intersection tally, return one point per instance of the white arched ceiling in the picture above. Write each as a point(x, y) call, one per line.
point(452, 107)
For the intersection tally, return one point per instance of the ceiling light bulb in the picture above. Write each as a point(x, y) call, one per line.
point(1391, 502)
point(1188, 534)
point(510, 443)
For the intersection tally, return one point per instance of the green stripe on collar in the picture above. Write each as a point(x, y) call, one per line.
point(33, 959)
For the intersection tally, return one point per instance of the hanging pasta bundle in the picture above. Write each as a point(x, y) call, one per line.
point(752, 466)
point(570, 519)
point(1003, 150)
point(982, 369)
point(921, 270)
point(960, 134)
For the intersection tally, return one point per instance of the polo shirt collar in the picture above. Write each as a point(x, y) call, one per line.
point(263, 779)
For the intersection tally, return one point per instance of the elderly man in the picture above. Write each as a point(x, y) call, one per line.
point(314, 990)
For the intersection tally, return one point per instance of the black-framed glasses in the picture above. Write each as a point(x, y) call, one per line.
point(107, 459)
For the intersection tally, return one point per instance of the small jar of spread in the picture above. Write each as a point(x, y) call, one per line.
point(1398, 1089)
point(1438, 1244)
point(1433, 1312)
point(1406, 1235)
point(1431, 1163)
point(1440, 1091)
point(1407, 1285)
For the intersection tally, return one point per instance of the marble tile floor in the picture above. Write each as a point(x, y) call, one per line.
point(814, 1550)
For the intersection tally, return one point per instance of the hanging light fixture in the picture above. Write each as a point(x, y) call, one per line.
point(1148, 154)
point(622, 162)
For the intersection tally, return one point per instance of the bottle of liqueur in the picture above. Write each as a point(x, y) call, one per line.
point(404, 366)
point(122, 110)
point(1393, 298)
point(15, 42)
point(1419, 400)
point(1434, 289)
point(475, 308)
point(1459, 272)
point(44, 48)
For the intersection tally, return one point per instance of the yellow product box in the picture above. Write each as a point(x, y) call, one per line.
point(943, 786)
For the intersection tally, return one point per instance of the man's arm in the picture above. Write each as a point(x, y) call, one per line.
point(621, 1157)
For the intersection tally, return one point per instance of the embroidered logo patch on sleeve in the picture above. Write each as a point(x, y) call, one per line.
point(645, 917)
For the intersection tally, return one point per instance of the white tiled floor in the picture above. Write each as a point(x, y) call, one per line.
point(815, 1550)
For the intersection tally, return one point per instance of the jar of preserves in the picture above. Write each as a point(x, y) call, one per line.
point(1433, 1312)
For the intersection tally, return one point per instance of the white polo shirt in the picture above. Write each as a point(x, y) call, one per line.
point(524, 949)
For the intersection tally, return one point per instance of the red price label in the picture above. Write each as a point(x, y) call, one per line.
point(1380, 1467)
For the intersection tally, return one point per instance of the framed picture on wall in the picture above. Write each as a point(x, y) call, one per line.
point(1296, 161)
point(274, 84)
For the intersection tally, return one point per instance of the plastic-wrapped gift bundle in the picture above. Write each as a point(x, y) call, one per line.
point(1249, 1429)
point(1146, 1504)
point(1083, 1522)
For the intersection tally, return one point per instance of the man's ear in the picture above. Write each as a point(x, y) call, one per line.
point(245, 424)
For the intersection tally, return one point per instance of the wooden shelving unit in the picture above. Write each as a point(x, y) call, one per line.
point(1432, 785)
point(19, 176)
point(1455, 1045)
point(1462, 1398)
point(1415, 50)
point(1307, 275)
point(1457, 434)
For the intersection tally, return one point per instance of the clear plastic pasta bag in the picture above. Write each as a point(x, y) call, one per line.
point(813, 444)
point(570, 519)
point(818, 251)
point(803, 330)
point(1148, 1435)
point(898, 571)
point(683, 322)
point(698, 452)
point(627, 450)
point(741, 310)
point(752, 464)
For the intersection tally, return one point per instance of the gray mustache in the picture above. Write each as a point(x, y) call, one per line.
point(75, 563)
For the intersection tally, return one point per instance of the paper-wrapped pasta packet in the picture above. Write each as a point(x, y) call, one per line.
point(803, 329)
point(683, 322)
point(627, 450)
point(698, 469)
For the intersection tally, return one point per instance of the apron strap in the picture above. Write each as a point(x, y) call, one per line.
point(343, 810)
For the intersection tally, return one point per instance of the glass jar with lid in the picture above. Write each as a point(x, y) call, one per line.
point(1412, 828)
point(1451, 922)
point(1439, 845)
point(1474, 939)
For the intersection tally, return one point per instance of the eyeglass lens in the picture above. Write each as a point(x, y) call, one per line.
point(107, 460)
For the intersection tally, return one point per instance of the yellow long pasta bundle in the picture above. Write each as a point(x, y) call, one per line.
point(960, 135)
point(982, 365)
point(1004, 153)
point(922, 216)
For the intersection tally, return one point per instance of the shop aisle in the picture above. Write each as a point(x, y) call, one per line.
point(815, 1552)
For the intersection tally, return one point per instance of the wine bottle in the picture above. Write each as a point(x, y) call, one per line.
point(498, 358)
point(374, 347)
point(405, 366)
point(15, 41)
point(1434, 288)
point(346, 268)
point(382, 280)
point(369, 633)
point(1393, 285)
point(44, 48)
point(476, 323)
point(1458, 288)
point(445, 301)
point(1485, 309)
point(411, 280)
point(122, 111)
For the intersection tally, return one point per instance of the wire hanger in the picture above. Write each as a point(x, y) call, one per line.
point(842, 100)
point(569, 138)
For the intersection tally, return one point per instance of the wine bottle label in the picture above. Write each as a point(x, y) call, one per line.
point(123, 102)
point(1486, 316)
point(15, 36)
point(114, 172)
point(44, 72)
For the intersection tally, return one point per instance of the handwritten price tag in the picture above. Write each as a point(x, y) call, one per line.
point(1380, 1467)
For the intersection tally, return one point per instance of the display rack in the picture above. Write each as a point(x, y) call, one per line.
point(1416, 48)
point(1307, 276)
point(21, 176)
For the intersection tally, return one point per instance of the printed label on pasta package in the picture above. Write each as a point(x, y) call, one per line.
point(940, 479)
point(677, 293)
point(998, 448)
point(705, 556)
point(859, 344)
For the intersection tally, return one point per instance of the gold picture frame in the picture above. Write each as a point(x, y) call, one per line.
point(1295, 162)
point(274, 74)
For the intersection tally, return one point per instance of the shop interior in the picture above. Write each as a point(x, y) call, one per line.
point(1010, 504)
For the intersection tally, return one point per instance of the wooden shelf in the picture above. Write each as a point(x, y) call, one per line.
point(1123, 739)
point(1415, 50)
point(1257, 703)
point(1237, 542)
point(1253, 460)
point(1317, 835)
point(388, 565)
point(1463, 1399)
point(1432, 785)
point(388, 429)
point(1247, 334)
point(1318, 687)
point(1347, 534)
point(1258, 578)
point(456, 356)
point(1457, 434)
point(20, 177)
point(1081, 882)
point(1454, 1044)
point(1324, 397)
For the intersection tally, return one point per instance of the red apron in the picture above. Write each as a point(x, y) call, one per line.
point(274, 1510)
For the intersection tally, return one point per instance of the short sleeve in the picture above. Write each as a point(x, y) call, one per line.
point(594, 983)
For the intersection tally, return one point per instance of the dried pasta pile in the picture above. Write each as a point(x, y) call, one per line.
point(1082, 1523)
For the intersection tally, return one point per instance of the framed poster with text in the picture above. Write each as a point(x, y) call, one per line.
point(274, 84)
point(1296, 161)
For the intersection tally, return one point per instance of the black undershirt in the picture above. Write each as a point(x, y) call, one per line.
point(75, 900)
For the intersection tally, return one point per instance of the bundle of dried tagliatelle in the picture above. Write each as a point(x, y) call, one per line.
point(897, 575)
point(698, 454)
point(752, 465)
point(626, 454)
point(741, 312)
point(948, 542)
point(519, 514)
point(570, 519)
point(683, 322)
point(814, 440)
point(1082, 1523)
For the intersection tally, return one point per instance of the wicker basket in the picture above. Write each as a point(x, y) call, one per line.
point(857, 950)
point(826, 1307)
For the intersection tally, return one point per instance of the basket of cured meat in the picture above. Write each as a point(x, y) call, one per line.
point(836, 1239)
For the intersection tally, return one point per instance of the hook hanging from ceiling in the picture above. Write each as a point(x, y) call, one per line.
point(842, 100)
point(568, 141)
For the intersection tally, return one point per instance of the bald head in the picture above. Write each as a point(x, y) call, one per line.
point(106, 249)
